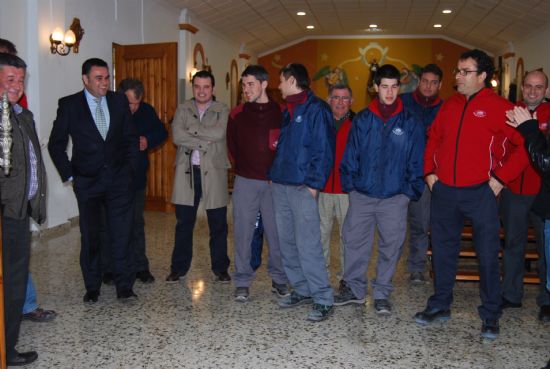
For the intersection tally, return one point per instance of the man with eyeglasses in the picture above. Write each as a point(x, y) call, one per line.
point(516, 209)
point(425, 103)
point(382, 170)
point(333, 202)
point(465, 168)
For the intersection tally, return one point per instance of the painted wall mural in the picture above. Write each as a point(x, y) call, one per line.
point(353, 61)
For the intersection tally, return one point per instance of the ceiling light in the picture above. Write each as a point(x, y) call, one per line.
point(373, 25)
point(437, 25)
point(447, 11)
point(310, 27)
point(300, 13)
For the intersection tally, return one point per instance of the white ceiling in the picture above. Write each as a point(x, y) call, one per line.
point(263, 25)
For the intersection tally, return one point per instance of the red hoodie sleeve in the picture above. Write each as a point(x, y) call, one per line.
point(516, 160)
point(434, 140)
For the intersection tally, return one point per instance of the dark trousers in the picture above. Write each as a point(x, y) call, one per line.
point(217, 223)
point(449, 207)
point(137, 238)
point(516, 214)
point(116, 200)
point(16, 249)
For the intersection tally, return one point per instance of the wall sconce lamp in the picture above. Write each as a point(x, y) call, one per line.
point(192, 73)
point(61, 43)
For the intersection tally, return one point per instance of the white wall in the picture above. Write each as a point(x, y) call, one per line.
point(534, 50)
point(28, 23)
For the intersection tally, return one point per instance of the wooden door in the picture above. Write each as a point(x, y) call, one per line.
point(156, 66)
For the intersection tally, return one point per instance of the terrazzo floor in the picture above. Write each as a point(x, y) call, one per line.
point(196, 323)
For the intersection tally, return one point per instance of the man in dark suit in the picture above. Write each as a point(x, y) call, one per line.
point(101, 169)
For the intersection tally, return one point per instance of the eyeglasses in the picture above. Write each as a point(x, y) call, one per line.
point(463, 72)
point(341, 98)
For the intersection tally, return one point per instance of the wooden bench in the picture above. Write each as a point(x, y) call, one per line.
point(531, 255)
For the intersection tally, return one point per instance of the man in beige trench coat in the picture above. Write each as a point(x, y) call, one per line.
point(199, 129)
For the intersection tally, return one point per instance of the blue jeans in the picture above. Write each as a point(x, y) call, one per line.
point(30, 297)
point(547, 251)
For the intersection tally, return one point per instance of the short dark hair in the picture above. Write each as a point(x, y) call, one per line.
point(133, 84)
point(434, 69)
point(257, 71)
point(299, 72)
point(484, 63)
point(339, 86)
point(93, 62)
point(12, 60)
point(204, 74)
point(8, 46)
point(387, 71)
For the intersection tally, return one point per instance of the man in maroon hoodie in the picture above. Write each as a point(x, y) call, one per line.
point(252, 134)
point(333, 202)
point(515, 207)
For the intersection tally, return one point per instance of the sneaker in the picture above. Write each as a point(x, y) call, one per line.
point(281, 289)
point(174, 277)
point(417, 278)
point(241, 294)
point(431, 314)
point(294, 299)
point(40, 315)
point(507, 304)
point(320, 312)
point(222, 277)
point(544, 313)
point(490, 329)
point(382, 306)
point(345, 296)
point(145, 276)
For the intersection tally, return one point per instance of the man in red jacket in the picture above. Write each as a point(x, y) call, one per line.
point(515, 207)
point(333, 202)
point(462, 169)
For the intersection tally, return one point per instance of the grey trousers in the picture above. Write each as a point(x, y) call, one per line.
point(332, 205)
point(516, 214)
point(297, 217)
point(419, 226)
point(249, 197)
point(365, 214)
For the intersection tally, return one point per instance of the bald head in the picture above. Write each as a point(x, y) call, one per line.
point(534, 88)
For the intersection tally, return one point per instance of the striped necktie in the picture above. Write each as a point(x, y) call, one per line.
point(100, 120)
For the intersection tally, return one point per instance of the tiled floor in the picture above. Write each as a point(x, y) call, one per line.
point(196, 323)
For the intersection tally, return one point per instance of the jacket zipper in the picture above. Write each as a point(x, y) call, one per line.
point(458, 139)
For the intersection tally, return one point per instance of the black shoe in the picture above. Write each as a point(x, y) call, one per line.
point(174, 277)
point(108, 279)
point(345, 296)
point(91, 296)
point(507, 304)
point(40, 315)
point(222, 277)
point(22, 358)
point(490, 329)
point(126, 295)
point(431, 314)
point(547, 365)
point(145, 276)
point(544, 313)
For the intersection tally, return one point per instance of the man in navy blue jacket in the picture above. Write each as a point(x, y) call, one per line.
point(382, 171)
point(304, 158)
point(151, 133)
point(425, 103)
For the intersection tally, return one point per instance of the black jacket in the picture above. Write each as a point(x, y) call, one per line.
point(538, 148)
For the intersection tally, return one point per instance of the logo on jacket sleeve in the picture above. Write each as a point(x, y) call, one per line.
point(398, 131)
point(480, 113)
point(298, 119)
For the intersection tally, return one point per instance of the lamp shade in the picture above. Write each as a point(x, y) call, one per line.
point(70, 38)
point(57, 34)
